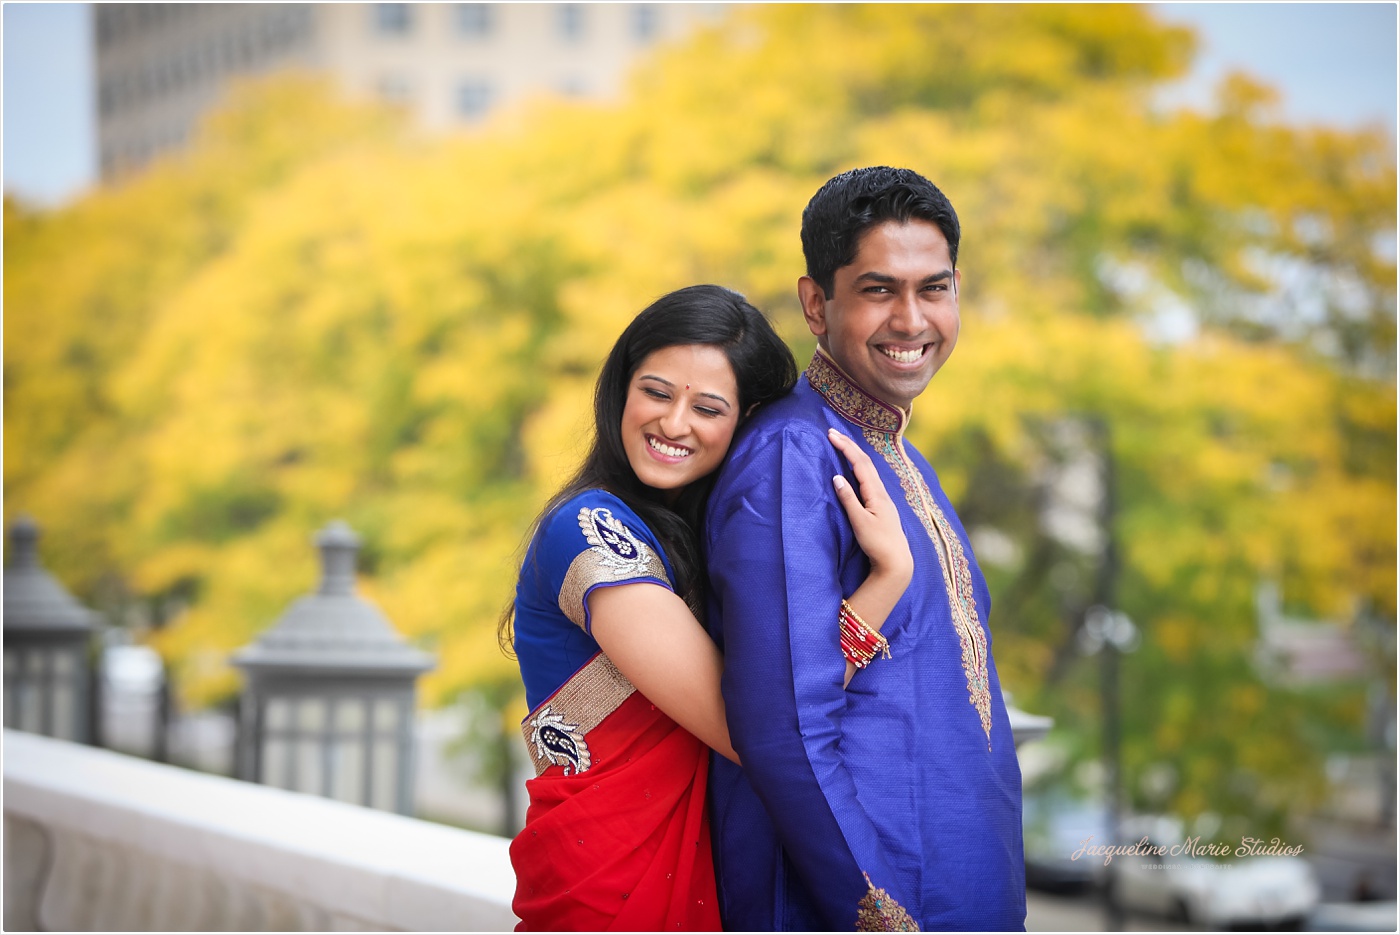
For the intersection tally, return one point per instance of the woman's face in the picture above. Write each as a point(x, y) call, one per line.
point(681, 412)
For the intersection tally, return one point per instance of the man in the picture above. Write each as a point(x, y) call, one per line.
point(895, 803)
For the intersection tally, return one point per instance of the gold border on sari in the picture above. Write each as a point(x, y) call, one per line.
point(556, 733)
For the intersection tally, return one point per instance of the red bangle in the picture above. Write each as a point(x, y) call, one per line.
point(859, 643)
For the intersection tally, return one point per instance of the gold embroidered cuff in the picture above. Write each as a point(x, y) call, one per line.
point(878, 912)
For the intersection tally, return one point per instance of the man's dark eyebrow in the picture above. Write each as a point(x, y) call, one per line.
point(887, 278)
point(875, 277)
point(663, 380)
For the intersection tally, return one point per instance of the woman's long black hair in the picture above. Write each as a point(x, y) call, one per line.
point(764, 370)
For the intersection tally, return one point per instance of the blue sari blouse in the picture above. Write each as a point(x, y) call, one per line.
point(592, 540)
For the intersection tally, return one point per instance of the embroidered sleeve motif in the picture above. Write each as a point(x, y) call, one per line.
point(613, 554)
point(878, 912)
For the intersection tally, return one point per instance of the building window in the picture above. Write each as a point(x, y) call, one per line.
point(646, 21)
point(292, 22)
point(250, 48)
point(473, 98)
point(393, 19)
point(573, 86)
point(569, 21)
point(269, 35)
point(475, 19)
point(120, 92)
point(394, 88)
point(194, 66)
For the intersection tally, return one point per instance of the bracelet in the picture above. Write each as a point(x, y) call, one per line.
point(859, 643)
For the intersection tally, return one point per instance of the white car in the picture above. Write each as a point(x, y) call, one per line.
point(1214, 892)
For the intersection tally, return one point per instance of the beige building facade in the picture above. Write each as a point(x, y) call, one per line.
point(160, 66)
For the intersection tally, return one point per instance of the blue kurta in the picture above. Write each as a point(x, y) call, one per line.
point(902, 793)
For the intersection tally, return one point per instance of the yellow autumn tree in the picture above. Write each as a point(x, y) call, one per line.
point(315, 314)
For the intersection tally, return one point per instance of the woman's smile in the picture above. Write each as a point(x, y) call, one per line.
point(668, 453)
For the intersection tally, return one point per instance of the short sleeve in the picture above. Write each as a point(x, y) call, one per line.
point(595, 540)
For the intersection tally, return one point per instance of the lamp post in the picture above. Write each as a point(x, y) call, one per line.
point(48, 675)
point(1109, 634)
point(329, 702)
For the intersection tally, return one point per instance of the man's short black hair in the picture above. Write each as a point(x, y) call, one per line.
point(848, 205)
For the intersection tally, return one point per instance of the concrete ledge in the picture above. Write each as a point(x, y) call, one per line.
point(327, 864)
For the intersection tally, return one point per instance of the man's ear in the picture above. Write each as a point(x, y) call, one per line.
point(957, 282)
point(813, 301)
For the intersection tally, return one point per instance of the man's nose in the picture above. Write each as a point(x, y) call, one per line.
point(907, 317)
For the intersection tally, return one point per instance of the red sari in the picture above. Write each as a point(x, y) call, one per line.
point(617, 836)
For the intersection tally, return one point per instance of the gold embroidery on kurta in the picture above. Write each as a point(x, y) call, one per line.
point(878, 912)
point(556, 733)
point(850, 400)
point(957, 572)
point(884, 430)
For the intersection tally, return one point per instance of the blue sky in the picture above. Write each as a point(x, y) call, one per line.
point(1334, 63)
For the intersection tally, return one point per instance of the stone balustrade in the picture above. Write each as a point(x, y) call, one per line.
point(96, 840)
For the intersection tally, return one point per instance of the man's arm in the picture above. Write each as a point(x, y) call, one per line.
point(775, 553)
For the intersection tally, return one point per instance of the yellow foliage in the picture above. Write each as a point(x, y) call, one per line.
point(310, 315)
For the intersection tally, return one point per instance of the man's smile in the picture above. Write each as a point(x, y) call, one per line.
point(905, 353)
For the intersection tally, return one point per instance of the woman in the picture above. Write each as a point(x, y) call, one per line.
point(622, 681)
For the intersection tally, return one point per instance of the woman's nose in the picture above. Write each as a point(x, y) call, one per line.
point(674, 422)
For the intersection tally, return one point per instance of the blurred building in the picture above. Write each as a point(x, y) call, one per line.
point(1295, 652)
point(159, 66)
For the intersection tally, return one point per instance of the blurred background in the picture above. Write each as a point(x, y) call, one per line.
point(270, 265)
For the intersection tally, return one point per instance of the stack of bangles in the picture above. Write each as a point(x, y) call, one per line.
point(859, 643)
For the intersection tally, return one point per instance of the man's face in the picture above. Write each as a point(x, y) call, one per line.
point(892, 319)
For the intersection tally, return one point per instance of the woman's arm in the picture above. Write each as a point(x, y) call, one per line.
point(652, 637)
point(880, 534)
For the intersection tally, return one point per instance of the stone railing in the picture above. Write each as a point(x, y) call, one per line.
point(96, 840)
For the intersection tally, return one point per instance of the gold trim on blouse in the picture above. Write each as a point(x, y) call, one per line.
point(614, 553)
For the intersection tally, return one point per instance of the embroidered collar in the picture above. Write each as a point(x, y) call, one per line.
point(848, 399)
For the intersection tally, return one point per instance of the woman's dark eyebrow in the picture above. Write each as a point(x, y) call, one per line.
point(714, 396)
